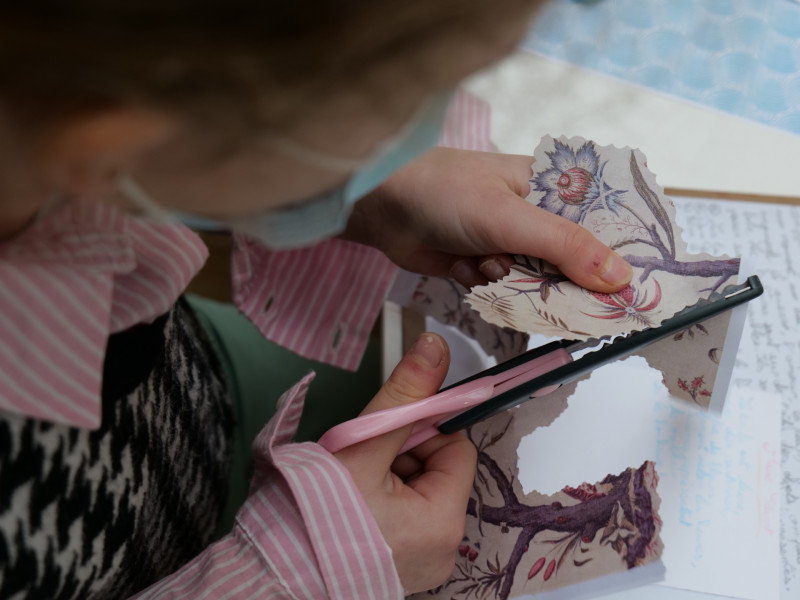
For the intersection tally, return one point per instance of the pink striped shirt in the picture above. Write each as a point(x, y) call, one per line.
point(78, 274)
point(84, 271)
point(304, 532)
point(297, 313)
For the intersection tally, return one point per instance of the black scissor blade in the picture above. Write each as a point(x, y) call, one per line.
point(620, 347)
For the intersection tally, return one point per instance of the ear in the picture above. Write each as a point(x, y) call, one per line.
point(85, 156)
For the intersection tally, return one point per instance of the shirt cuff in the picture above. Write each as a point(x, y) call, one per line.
point(308, 518)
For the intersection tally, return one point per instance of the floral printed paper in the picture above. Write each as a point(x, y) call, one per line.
point(519, 544)
point(443, 299)
point(611, 192)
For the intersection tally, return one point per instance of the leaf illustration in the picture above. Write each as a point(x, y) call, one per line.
point(713, 354)
point(544, 291)
point(494, 566)
point(608, 531)
point(556, 541)
point(569, 547)
point(626, 524)
point(651, 199)
point(612, 525)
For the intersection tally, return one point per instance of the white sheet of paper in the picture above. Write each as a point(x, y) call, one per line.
point(764, 159)
point(768, 235)
point(720, 478)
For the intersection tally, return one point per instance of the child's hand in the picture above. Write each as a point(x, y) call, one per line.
point(419, 499)
point(461, 214)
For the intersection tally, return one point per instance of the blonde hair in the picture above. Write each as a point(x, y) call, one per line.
point(257, 59)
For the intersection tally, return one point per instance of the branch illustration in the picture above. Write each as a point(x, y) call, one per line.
point(723, 269)
point(623, 511)
point(655, 239)
point(652, 201)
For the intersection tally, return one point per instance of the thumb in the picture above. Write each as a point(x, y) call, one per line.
point(583, 258)
point(572, 248)
point(418, 375)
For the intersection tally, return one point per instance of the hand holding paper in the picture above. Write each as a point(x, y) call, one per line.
point(611, 192)
point(460, 213)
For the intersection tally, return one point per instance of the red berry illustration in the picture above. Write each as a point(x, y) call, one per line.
point(549, 570)
point(537, 566)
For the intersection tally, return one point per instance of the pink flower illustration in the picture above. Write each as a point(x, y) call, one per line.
point(628, 304)
point(694, 388)
point(574, 184)
point(584, 492)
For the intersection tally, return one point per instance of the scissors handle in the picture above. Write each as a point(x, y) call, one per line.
point(364, 427)
point(428, 413)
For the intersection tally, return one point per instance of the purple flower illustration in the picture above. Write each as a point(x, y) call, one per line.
point(574, 184)
point(628, 304)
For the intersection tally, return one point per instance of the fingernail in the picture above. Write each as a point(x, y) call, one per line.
point(492, 269)
point(617, 271)
point(466, 273)
point(428, 350)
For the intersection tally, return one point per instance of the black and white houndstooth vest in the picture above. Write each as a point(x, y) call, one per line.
point(105, 513)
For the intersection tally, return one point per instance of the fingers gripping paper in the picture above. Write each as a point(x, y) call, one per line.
point(610, 191)
point(520, 543)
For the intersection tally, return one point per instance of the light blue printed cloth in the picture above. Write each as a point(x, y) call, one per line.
point(739, 56)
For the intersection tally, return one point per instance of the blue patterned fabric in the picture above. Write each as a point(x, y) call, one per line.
point(739, 56)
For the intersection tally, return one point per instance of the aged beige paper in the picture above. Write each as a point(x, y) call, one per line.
point(611, 192)
point(520, 544)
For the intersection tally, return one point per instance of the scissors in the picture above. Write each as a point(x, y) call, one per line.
point(531, 375)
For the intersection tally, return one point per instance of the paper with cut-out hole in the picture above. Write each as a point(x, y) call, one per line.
point(611, 192)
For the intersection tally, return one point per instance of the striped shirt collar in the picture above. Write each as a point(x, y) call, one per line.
point(78, 274)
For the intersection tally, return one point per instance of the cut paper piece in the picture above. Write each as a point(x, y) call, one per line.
point(719, 476)
point(443, 300)
point(611, 192)
point(519, 544)
point(690, 360)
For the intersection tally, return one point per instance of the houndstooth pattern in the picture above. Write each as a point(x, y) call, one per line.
point(104, 513)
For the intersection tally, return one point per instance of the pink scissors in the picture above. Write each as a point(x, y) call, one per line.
point(533, 374)
point(427, 414)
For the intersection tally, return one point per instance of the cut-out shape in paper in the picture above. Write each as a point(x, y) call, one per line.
point(519, 544)
point(611, 192)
